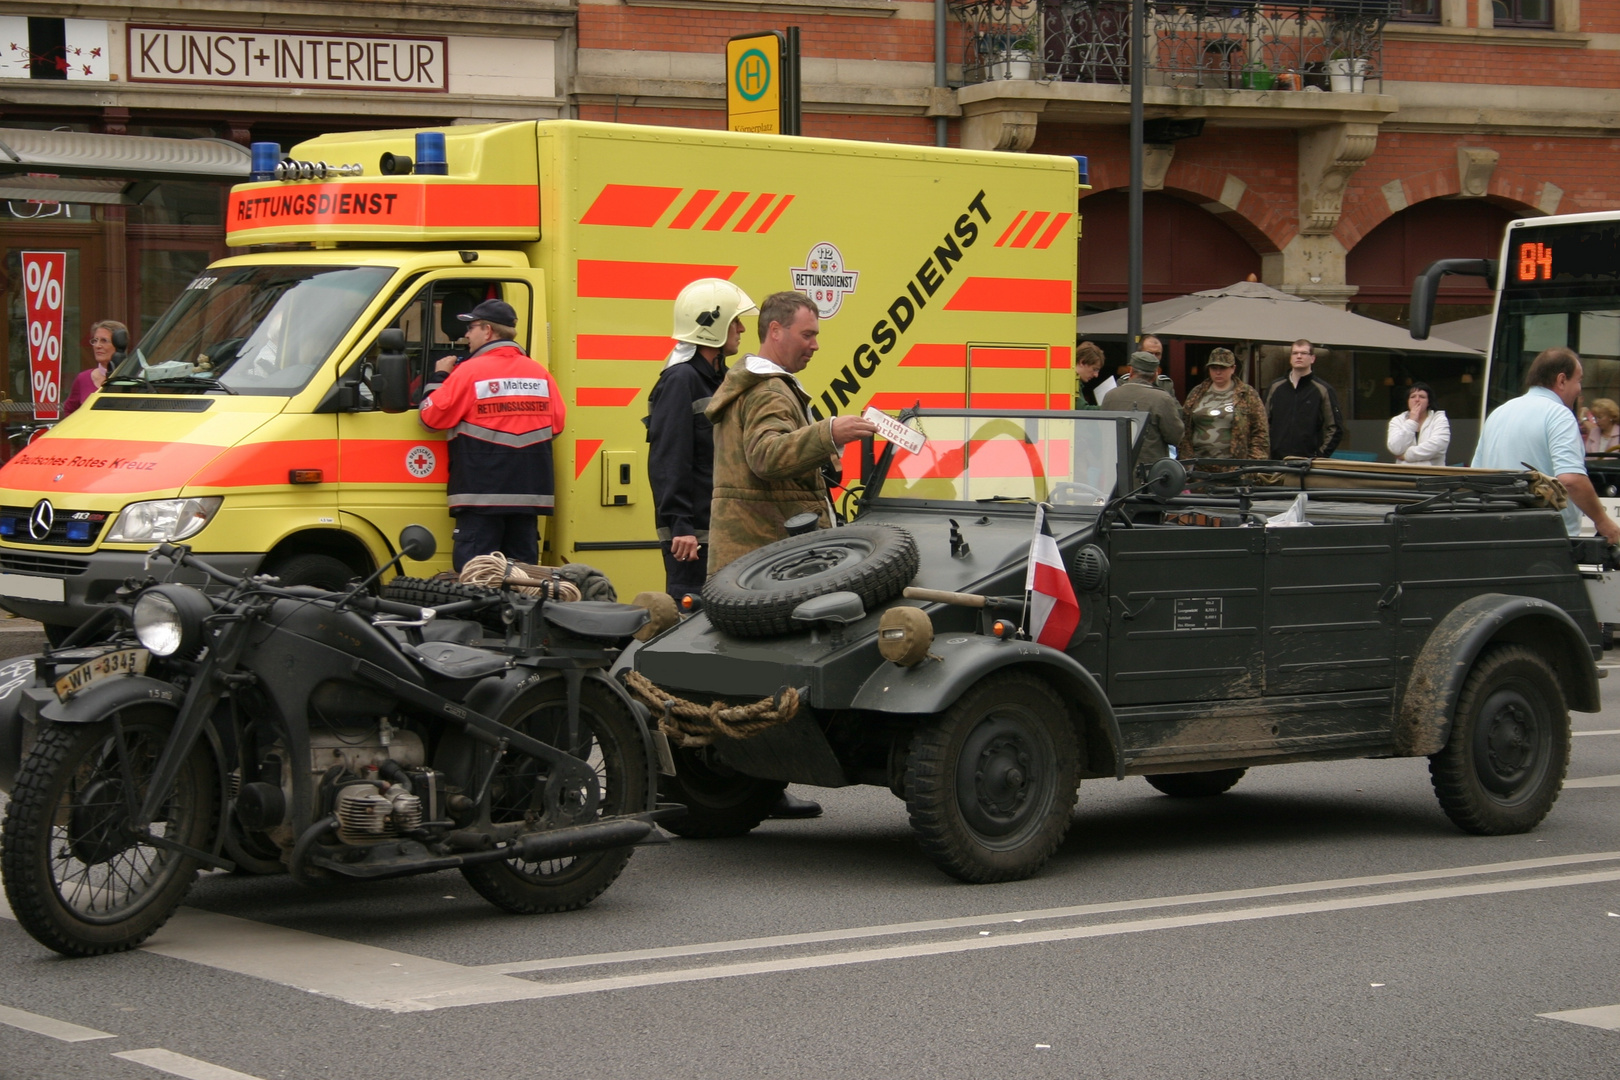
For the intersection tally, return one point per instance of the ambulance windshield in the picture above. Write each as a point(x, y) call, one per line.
point(261, 330)
point(1069, 461)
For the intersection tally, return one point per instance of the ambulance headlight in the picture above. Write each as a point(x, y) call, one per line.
point(163, 519)
point(169, 619)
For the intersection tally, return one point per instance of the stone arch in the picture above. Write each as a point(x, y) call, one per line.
point(1525, 194)
point(1187, 246)
point(1225, 194)
point(1383, 263)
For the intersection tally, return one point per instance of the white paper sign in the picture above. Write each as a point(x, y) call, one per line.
point(893, 430)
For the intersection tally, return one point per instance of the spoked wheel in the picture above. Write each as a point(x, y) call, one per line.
point(77, 878)
point(1195, 785)
point(719, 800)
point(990, 784)
point(609, 741)
point(1503, 766)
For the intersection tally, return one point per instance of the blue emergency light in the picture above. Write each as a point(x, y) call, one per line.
point(266, 155)
point(430, 159)
point(1085, 168)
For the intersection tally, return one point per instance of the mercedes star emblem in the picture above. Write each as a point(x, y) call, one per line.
point(40, 520)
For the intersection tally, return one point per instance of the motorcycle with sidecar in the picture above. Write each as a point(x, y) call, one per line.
point(261, 728)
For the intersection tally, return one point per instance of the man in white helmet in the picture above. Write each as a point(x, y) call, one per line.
point(708, 328)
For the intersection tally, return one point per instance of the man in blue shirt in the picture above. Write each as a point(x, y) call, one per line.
point(1538, 430)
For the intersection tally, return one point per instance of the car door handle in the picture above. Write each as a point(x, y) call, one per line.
point(1391, 597)
point(1125, 610)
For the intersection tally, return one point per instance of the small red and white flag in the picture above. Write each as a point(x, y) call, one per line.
point(1053, 610)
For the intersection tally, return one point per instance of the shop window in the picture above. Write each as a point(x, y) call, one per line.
point(1522, 13)
point(75, 324)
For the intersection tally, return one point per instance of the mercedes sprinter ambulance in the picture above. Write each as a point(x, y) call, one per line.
point(250, 421)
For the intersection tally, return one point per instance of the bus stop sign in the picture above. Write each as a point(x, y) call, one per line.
point(762, 83)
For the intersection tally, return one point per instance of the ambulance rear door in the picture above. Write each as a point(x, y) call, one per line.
point(1013, 377)
point(393, 470)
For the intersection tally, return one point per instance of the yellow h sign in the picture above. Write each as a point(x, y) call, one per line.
point(754, 78)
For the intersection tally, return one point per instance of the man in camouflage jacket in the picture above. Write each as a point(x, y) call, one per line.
point(768, 453)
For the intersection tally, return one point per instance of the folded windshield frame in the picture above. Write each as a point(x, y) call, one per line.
point(1074, 461)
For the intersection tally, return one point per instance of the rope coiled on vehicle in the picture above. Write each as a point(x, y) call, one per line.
point(687, 723)
point(495, 572)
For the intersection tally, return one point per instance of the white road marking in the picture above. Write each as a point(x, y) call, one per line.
point(179, 1065)
point(1041, 937)
point(969, 921)
point(1606, 1017)
point(1594, 781)
point(358, 974)
point(60, 1030)
point(1607, 731)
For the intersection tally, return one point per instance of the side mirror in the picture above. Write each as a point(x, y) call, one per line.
point(1166, 479)
point(392, 382)
point(416, 542)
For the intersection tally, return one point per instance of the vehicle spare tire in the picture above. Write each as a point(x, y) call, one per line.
point(755, 595)
point(432, 592)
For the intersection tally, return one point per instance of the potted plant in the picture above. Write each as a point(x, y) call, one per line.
point(1021, 54)
point(1346, 74)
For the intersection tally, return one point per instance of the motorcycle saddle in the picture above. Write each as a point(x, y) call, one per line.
point(596, 618)
point(452, 661)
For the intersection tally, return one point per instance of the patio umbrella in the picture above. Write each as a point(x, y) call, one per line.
point(1475, 332)
point(1251, 312)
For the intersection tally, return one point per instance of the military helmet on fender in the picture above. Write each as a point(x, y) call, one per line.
point(705, 308)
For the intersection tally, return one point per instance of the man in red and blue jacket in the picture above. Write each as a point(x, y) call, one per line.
point(503, 410)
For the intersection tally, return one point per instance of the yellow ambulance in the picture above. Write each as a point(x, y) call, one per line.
point(245, 423)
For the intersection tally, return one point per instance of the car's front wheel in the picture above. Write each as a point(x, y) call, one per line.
point(1503, 766)
point(990, 783)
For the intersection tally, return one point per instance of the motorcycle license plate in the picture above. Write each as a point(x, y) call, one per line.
point(105, 666)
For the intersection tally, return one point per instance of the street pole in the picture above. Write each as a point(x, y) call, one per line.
point(1138, 60)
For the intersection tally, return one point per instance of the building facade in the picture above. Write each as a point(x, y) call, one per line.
point(278, 71)
point(1331, 149)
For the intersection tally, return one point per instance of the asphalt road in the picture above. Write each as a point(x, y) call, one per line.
point(1317, 921)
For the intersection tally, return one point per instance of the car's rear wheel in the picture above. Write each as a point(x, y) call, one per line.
point(1503, 766)
point(990, 783)
point(719, 800)
point(1196, 785)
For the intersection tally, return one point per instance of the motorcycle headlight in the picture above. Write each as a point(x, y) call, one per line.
point(163, 519)
point(169, 620)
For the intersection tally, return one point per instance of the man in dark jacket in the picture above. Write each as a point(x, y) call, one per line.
point(1163, 424)
point(1302, 411)
point(708, 328)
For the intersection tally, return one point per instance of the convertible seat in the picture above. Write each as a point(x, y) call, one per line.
point(596, 618)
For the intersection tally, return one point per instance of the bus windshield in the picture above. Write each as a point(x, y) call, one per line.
point(1560, 286)
point(261, 330)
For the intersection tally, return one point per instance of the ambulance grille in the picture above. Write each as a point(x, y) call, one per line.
point(55, 565)
point(69, 528)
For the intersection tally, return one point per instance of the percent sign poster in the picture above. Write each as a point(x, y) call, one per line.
point(44, 298)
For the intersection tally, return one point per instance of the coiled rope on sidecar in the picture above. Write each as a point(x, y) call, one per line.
point(687, 723)
point(495, 572)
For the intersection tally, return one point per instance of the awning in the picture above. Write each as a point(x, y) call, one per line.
point(78, 153)
point(62, 189)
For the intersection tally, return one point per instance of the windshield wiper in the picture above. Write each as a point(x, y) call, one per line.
point(206, 381)
point(1006, 498)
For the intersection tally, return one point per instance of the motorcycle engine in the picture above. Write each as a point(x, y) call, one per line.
point(375, 777)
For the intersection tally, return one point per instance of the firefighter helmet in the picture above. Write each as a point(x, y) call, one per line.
point(705, 308)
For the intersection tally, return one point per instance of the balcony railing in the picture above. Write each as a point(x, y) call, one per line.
point(1230, 45)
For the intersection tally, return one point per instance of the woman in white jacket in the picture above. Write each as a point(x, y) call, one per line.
point(1420, 435)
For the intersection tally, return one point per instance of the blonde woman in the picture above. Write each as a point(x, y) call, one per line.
point(1603, 431)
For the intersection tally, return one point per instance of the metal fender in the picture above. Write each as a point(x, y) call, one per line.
point(492, 695)
point(1423, 718)
point(96, 701)
point(963, 659)
point(16, 675)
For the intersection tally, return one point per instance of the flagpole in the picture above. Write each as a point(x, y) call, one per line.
point(1029, 572)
